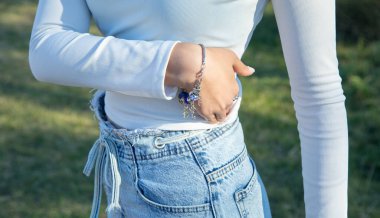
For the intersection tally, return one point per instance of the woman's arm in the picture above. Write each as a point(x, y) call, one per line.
point(63, 52)
point(307, 30)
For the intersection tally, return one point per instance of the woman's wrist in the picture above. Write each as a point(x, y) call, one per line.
point(184, 63)
point(188, 99)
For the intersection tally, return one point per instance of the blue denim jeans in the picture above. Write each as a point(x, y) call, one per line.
point(174, 173)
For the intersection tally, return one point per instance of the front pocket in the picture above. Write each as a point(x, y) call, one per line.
point(173, 184)
point(249, 199)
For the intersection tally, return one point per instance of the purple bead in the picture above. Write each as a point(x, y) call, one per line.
point(184, 97)
point(185, 94)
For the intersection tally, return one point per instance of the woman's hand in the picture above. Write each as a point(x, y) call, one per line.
point(218, 87)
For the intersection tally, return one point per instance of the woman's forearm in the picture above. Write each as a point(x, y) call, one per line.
point(307, 30)
point(184, 62)
point(63, 52)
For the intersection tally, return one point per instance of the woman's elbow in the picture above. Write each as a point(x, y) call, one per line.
point(36, 65)
point(40, 60)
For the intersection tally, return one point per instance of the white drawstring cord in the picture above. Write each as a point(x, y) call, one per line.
point(99, 152)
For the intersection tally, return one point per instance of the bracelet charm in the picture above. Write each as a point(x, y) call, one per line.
point(187, 99)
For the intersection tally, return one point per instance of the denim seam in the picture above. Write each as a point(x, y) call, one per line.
point(133, 135)
point(228, 167)
point(201, 142)
point(198, 142)
point(175, 209)
point(179, 137)
point(166, 153)
point(180, 150)
point(173, 151)
point(166, 208)
point(241, 194)
point(213, 210)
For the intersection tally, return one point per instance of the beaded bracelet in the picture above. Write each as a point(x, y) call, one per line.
point(187, 99)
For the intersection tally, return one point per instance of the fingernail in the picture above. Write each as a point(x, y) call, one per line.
point(251, 69)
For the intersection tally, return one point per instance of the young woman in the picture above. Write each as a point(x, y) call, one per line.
point(161, 153)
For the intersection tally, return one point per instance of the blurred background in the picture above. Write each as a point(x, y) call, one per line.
point(46, 130)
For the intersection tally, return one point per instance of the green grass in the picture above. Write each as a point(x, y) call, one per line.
point(46, 130)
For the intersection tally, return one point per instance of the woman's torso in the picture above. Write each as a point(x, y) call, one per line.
point(216, 23)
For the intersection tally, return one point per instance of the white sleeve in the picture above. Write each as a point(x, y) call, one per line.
point(307, 30)
point(63, 52)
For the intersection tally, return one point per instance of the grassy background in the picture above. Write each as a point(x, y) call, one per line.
point(47, 130)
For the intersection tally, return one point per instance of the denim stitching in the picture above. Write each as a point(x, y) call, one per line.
point(204, 174)
point(198, 141)
point(228, 167)
point(176, 209)
point(179, 137)
point(166, 153)
point(167, 208)
point(119, 135)
point(244, 192)
point(202, 141)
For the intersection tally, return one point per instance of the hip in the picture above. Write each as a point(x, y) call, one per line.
point(180, 173)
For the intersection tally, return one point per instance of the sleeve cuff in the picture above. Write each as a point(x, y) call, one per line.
point(166, 92)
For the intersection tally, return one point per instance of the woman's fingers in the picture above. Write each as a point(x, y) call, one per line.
point(220, 116)
point(241, 69)
point(218, 111)
point(211, 118)
point(215, 117)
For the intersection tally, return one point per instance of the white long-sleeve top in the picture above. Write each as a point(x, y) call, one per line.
point(130, 61)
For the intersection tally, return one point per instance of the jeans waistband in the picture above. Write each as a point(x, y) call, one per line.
point(104, 154)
